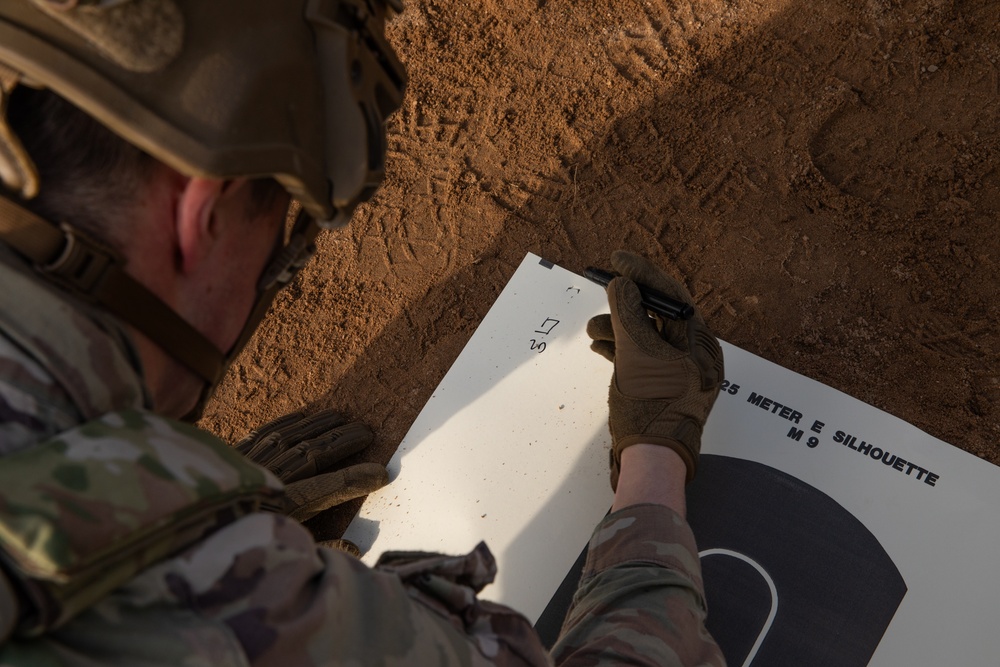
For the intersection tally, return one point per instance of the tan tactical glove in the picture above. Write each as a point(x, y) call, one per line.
point(299, 450)
point(667, 372)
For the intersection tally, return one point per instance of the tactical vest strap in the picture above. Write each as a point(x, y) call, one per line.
point(95, 273)
point(84, 512)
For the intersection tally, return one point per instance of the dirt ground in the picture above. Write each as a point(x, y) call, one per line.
point(823, 175)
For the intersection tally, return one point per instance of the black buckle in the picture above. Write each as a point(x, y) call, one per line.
point(287, 263)
point(289, 259)
point(82, 263)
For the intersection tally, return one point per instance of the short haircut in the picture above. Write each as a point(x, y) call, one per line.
point(89, 176)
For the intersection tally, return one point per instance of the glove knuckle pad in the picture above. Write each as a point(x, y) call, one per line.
point(707, 354)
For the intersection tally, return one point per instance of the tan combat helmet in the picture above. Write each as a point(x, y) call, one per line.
point(297, 90)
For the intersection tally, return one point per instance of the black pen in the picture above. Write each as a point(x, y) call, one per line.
point(652, 299)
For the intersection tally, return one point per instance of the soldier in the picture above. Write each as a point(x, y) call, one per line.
point(149, 150)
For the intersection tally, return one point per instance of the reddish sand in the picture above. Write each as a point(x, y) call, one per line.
point(823, 175)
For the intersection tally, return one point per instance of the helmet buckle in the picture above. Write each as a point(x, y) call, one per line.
point(82, 263)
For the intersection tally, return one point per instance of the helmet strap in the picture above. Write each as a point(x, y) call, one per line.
point(285, 264)
point(95, 273)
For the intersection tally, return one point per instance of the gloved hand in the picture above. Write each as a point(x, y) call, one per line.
point(667, 372)
point(299, 450)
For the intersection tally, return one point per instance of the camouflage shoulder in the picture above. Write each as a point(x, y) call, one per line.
point(84, 511)
point(33, 406)
point(88, 360)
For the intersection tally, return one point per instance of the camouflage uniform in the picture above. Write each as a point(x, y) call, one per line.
point(254, 588)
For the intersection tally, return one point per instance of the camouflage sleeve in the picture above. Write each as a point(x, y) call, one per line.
point(288, 602)
point(641, 599)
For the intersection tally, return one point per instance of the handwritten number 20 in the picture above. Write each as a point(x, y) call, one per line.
point(537, 346)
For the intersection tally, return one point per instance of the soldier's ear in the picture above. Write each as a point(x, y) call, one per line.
point(195, 224)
